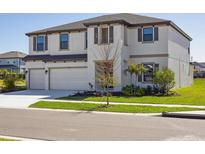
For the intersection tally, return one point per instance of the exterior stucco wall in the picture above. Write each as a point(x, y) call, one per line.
point(142, 48)
point(179, 58)
point(76, 44)
point(139, 48)
point(95, 50)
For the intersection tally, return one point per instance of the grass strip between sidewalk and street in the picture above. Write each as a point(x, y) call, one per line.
point(110, 108)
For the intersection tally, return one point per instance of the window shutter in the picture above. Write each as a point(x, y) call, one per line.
point(68, 41)
point(156, 33)
point(96, 35)
point(86, 40)
point(111, 34)
point(139, 34)
point(46, 42)
point(34, 43)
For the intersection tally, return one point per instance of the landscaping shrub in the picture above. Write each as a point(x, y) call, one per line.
point(155, 90)
point(9, 83)
point(148, 90)
point(126, 90)
point(164, 80)
point(21, 76)
point(140, 91)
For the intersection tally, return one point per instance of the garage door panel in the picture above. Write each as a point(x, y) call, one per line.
point(68, 79)
point(37, 79)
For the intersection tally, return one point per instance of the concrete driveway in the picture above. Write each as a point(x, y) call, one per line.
point(22, 99)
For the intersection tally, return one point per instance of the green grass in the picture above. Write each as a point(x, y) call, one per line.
point(110, 108)
point(193, 95)
point(5, 139)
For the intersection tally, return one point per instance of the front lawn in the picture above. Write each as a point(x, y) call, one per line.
point(110, 108)
point(193, 95)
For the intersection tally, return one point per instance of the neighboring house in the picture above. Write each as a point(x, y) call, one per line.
point(12, 61)
point(64, 57)
point(199, 70)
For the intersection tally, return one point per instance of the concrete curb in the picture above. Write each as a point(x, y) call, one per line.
point(183, 115)
point(83, 111)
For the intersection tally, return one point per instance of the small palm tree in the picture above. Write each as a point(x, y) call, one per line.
point(139, 69)
point(134, 69)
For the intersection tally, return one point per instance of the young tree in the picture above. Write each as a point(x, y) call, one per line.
point(164, 80)
point(106, 65)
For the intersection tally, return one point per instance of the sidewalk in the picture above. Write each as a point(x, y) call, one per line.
point(118, 103)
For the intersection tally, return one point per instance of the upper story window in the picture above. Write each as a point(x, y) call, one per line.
point(106, 35)
point(40, 43)
point(63, 41)
point(148, 34)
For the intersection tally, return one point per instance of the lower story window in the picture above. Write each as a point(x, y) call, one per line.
point(148, 75)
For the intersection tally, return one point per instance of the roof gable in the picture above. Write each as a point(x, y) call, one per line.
point(12, 54)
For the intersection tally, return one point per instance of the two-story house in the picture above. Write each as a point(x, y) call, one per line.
point(12, 61)
point(64, 57)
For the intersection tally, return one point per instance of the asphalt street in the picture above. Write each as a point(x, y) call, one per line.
point(58, 125)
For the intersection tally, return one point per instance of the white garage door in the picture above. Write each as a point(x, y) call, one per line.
point(37, 79)
point(68, 79)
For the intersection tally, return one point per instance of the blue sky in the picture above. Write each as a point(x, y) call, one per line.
point(14, 26)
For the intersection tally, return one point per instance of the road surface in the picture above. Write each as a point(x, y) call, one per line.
point(53, 125)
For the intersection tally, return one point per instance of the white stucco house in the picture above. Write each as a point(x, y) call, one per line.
point(64, 57)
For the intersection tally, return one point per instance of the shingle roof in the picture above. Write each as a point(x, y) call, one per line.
point(46, 58)
point(12, 54)
point(126, 18)
point(202, 65)
point(129, 18)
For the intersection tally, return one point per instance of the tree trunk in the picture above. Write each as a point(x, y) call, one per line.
point(107, 94)
point(131, 89)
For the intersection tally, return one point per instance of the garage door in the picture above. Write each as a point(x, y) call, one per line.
point(37, 79)
point(68, 79)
